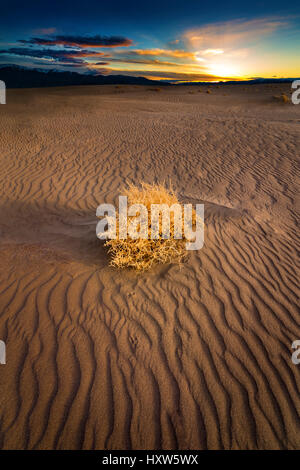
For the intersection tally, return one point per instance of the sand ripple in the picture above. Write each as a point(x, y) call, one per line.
point(197, 357)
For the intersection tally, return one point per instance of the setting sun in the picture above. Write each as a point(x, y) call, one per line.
point(225, 70)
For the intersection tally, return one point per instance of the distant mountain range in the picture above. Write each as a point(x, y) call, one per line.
point(21, 77)
point(15, 76)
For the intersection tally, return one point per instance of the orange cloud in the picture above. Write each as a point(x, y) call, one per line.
point(232, 33)
point(155, 62)
point(179, 54)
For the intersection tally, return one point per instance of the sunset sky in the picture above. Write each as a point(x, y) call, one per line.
point(179, 40)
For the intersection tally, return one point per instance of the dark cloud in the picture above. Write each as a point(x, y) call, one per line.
point(63, 55)
point(80, 41)
point(77, 64)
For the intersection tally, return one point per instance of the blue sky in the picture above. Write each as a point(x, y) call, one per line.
point(182, 40)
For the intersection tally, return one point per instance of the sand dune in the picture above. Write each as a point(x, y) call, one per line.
point(191, 358)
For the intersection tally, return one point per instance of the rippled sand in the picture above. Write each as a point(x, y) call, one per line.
point(191, 358)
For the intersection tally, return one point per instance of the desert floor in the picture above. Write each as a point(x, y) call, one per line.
point(189, 357)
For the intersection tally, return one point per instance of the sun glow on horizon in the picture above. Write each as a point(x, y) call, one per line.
point(225, 70)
